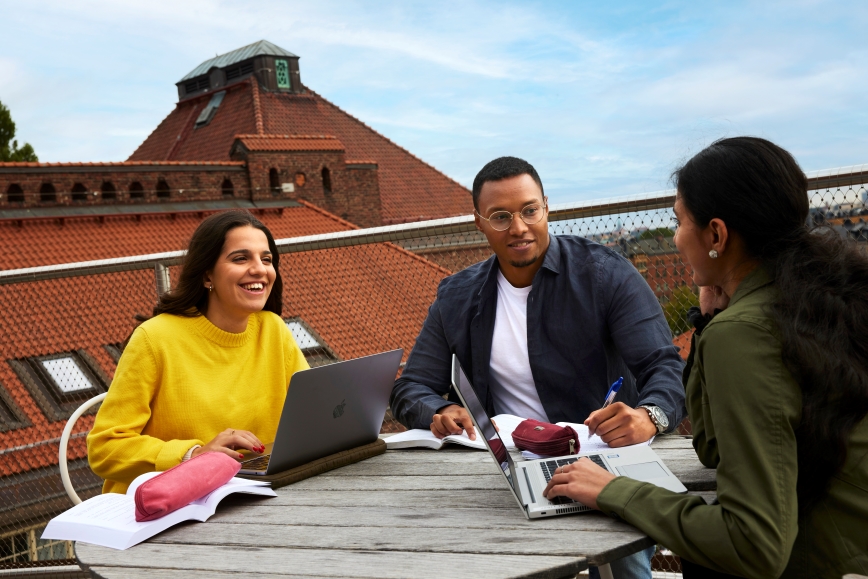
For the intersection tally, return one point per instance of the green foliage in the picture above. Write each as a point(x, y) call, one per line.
point(683, 298)
point(9, 150)
point(656, 232)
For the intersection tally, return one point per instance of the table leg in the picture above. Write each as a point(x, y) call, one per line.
point(605, 571)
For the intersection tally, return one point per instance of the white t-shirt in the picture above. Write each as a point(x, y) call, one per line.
point(512, 386)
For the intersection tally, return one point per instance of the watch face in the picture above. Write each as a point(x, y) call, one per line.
point(661, 417)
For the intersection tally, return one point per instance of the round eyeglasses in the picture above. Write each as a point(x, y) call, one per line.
point(501, 220)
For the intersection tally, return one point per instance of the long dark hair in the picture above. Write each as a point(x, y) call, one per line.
point(190, 297)
point(821, 311)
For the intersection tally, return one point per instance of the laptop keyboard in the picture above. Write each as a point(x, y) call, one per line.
point(549, 467)
point(258, 463)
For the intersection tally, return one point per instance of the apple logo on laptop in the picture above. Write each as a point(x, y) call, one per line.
point(339, 409)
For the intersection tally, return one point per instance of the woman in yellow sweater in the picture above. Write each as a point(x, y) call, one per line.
point(210, 371)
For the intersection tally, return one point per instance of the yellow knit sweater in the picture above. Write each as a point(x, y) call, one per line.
point(180, 382)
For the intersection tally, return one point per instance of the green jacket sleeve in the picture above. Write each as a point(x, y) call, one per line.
point(750, 407)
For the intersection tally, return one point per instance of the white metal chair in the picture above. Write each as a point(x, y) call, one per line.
point(64, 442)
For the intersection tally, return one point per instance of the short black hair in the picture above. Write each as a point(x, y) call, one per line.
point(503, 168)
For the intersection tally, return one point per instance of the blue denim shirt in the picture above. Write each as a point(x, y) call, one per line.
point(591, 318)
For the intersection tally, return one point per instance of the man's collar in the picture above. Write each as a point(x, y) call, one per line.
point(552, 258)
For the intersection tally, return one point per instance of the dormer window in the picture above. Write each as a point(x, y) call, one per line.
point(196, 85)
point(59, 383)
point(312, 346)
point(239, 71)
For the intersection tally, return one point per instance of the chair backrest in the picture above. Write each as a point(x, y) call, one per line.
point(64, 442)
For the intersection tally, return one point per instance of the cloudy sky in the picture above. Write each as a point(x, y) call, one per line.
point(605, 99)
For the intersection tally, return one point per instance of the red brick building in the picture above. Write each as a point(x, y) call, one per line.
point(246, 129)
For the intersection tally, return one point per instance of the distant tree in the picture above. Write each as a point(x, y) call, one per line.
point(9, 150)
point(683, 298)
point(657, 232)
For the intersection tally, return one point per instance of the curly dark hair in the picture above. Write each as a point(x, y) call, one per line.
point(821, 311)
point(190, 298)
point(500, 169)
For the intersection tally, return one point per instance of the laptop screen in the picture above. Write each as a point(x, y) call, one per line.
point(485, 427)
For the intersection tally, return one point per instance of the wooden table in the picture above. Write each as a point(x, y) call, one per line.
point(407, 513)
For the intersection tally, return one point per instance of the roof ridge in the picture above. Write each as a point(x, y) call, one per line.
point(276, 136)
point(390, 141)
point(257, 108)
point(310, 205)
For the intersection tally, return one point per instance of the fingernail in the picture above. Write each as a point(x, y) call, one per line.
point(240, 456)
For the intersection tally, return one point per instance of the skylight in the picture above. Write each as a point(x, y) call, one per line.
point(67, 374)
point(210, 109)
point(312, 346)
point(303, 337)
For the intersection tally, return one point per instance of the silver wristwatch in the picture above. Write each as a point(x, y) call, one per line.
point(658, 417)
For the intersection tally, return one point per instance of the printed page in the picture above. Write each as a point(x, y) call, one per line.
point(425, 438)
point(588, 443)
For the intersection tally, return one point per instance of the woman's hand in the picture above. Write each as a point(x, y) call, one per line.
point(581, 481)
point(229, 441)
point(711, 297)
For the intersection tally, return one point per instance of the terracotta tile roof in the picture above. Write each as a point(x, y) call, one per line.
point(175, 138)
point(360, 300)
point(191, 164)
point(85, 238)
point(682, 342)
point(290, 142)
point(410, 189)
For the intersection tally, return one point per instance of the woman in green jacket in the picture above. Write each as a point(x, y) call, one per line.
point(776, 382)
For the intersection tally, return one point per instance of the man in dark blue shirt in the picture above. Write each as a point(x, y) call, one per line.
point(543, 328)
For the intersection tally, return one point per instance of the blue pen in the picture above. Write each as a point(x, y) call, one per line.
point(613, 390)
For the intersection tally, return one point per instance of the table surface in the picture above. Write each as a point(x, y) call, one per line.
point(406, 513)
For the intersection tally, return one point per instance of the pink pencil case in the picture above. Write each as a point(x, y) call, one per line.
point(183, 484)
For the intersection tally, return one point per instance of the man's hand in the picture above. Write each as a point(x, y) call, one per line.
point(620, 425)
point(452, 419)
point(582, 481)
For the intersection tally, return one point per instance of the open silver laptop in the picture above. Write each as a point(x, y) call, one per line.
point(527, 478)
point(328, 409)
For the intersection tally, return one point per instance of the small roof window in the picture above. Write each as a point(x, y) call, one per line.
point(312, 346)
point(67, 374)
point(210, 109)
point(59, 383)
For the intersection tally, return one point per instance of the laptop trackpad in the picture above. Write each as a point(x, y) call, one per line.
point(644, 471)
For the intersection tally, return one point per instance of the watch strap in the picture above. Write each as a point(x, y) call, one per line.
point(653, 416)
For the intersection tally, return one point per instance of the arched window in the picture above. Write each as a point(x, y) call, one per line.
point(15, 194)
point(274, 181)
point(163, 191)
point(228, 188)
point(108, 191)
point(79, 192)
point(136, 190)
point(326, 180)
point(47, 193)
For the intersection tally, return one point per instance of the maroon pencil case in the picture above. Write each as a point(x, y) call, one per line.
point(545, 439)
point(183, 484)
